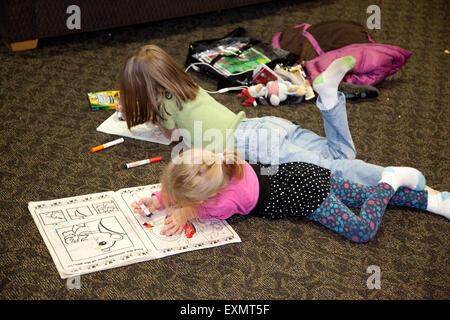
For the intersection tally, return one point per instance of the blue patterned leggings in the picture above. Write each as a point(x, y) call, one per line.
point(334, 212)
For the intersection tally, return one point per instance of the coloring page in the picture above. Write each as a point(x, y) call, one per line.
point(208, 232)
point(147, 131)
point(87, 233)
point(100, 231)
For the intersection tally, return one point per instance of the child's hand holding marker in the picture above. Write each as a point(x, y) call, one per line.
point(139, 206)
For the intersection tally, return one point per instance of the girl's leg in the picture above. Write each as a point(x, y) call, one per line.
point(406, 197)
point(271, 140)
point(354, 194)
point(332, 105)
point(335, 122)
point(334, 215)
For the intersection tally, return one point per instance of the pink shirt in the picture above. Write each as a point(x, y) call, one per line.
point(239, 196)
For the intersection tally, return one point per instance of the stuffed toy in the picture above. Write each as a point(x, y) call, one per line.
point(251, 94)
point(275, 92)
point(278, 91)
point(289, 81)
point(296, 76)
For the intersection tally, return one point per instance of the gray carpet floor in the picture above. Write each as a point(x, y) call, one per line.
point(47, 130)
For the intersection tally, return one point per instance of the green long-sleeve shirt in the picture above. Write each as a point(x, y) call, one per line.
point(203, 122)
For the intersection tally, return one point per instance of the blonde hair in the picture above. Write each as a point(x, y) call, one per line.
point(197, 174)
point(148, 76)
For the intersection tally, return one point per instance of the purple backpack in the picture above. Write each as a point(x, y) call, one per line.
point(374, 61)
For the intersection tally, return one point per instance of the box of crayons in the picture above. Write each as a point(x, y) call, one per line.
point(103, 100)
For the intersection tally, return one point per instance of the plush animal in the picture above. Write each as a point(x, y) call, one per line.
point(275, 92)
point(296, 75)
point(251, 94)
point(278, 91)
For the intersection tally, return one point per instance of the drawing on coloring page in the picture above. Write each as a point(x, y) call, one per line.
point(208, 232)
point(53, 217)
point(94, 238)
point(106, 207)
point(79, 212)
point(216, 229)
point(146, 131)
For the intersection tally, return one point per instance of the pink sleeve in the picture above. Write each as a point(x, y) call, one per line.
point(222, 210)
point(158, 195)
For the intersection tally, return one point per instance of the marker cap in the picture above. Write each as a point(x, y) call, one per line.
point(97, 148)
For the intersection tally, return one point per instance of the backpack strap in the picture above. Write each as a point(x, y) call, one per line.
point(306, 34)
point(310, 37)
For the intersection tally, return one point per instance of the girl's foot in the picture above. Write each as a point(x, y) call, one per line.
point(326, 84)
point(403, 177)
point(438, 202)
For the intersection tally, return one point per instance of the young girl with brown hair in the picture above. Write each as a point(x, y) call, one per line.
point(202, 184)
point(154, 88)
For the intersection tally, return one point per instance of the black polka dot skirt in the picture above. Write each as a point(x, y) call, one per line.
point(293, 189)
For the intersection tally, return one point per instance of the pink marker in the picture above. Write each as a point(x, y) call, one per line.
point(141, 162)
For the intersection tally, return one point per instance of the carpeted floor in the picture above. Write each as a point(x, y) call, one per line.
point(47, 131)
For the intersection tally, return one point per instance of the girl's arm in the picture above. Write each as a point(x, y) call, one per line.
point(176, 220)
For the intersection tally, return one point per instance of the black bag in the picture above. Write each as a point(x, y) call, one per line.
point(211, 57)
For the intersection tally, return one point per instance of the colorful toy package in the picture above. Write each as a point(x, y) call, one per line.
point(103, 100)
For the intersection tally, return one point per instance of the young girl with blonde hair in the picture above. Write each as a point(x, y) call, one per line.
point(202, 184)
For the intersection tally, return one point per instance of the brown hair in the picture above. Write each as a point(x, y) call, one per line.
point(147, 77)
point(197, 174)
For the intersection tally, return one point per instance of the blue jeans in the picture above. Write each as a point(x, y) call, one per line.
point(272, 140)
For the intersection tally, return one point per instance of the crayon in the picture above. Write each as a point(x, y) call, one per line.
point(143, 207)
point(107, 145)
point(141, 162)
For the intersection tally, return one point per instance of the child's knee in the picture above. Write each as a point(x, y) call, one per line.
point(351, 154)
point(345, 154)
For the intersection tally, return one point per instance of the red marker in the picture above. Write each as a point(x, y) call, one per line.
point(141, 162)
point(107, 145)
point(189, 230)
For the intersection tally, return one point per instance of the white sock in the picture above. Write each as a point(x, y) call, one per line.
point(403, 177)
point(326, 84)
point(439, 202)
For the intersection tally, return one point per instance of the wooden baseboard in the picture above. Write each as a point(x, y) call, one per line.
point(22, 45)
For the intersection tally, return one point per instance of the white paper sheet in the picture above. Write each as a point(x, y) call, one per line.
point(147, 131)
